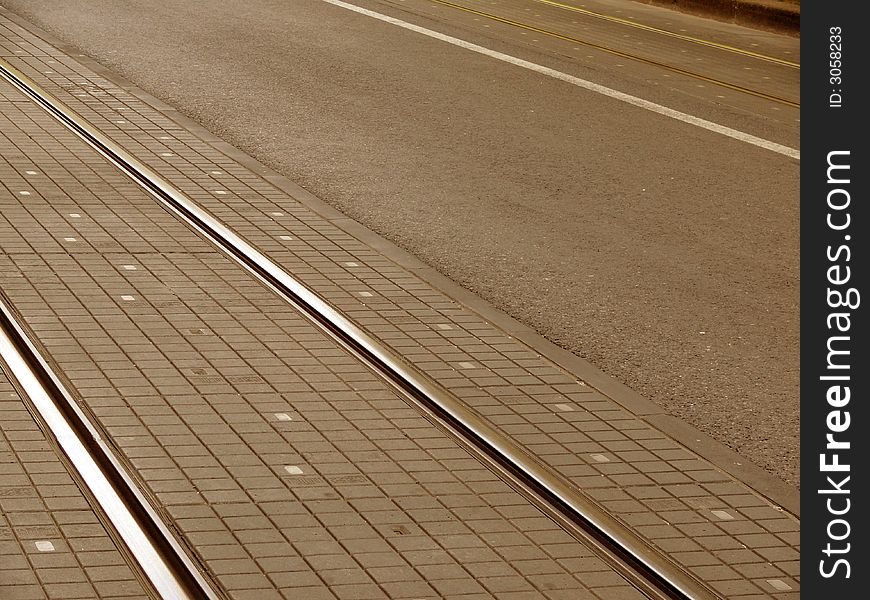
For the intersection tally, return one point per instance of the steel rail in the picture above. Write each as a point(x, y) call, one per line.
point(158, 556)
point(620, 53)
point(644, 566)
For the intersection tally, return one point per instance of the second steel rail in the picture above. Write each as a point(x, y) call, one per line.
point(645, 567)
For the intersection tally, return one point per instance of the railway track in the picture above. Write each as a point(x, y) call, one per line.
point(159, 556)
point(161, 561)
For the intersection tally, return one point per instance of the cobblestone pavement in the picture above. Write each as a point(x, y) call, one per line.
point(284, 463)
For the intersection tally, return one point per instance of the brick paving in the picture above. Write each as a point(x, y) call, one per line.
point(52, 545)
point(288, 467)
point(713, 525)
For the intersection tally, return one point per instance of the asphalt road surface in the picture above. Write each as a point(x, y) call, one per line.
point(664, 253)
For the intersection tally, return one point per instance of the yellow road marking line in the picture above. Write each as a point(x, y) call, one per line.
point(596, 88)
point(680, 36)
point(621, 54)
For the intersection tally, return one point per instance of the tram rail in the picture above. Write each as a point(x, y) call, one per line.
point(646, 568)
point(160, 559)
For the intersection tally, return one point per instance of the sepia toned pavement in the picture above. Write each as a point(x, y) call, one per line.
point(287, 467)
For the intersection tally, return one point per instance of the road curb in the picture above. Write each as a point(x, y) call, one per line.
point(740, 467)
point(773, 15)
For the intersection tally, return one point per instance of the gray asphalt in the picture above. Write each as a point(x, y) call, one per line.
point(664, 254)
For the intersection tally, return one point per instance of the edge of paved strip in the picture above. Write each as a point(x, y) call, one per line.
point(374, 481)
point(782, 16)
point(717, 453)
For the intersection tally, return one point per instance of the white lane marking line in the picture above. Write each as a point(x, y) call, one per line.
point(128, 298)
point(599, 458)
point(293, 470)
point(467, 365)
point(283, 417)
point(350, 263)
point(444, 326)
point(565, 407)
point(723, 514)
point(366, 294)
point(286, 237)
point(31, 172)
point(277, 214)
point(582, 83)
point(129, 267)
point(44, 546)
point(220, 192)
point(75, 215)
point(69, 239)
point(24, 193)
